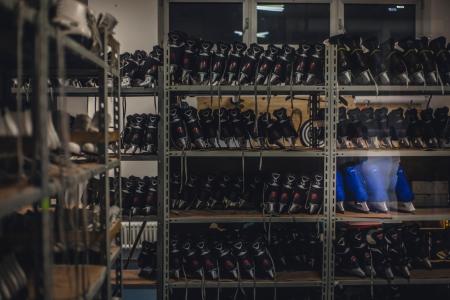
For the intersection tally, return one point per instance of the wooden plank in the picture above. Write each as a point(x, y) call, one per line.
point(70, 282)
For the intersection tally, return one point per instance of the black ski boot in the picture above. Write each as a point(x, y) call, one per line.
point(343, 53)
point(282, 69)
point(192, 261)
point(355, 128)
point(376, 62)
point(442, 58)
point(285, 126)
point(203, 62)
point(396, 65)
point(209, 127)
point(179, 136)
point(413, 61)
point(343, 140)
point(315, 195)
point(151, 197)
point(397, 251)
point(301, 63)
point(249, 63)
point(415, 128)
point(246, 262)
point(263, 260)
point(188, 67)
point(151, 134)
point(441, 125)
point(417, 246)
point(266, 64)
point(346, 260)
point(358, 61)
point(371, 128)
point(227, 262)
point(428, 61)
point(175, 261)
point(234, 63)
point(316, 71)
point(360, 248)
point(222, 122)
point(147, 260)
point(287, 192)
point(272, 194)
point(237, 125)
point(193, 126)
point(269, 130)
point(381, 118)
point(398, 127)
point(177, 42)
point(429, 135)
point(175, 185)
point(251, 133)
point(205, 192)
point(219, 194)
point(219, 59)
point(300, 195)
point(190, 193)
point(380, 257)
point(209, 264)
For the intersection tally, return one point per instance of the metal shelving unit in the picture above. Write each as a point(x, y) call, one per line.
point(57, 281)
point(331, 91)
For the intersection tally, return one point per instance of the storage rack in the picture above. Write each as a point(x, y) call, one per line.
point(331, 90)
point(57, 280)
point(418, 277)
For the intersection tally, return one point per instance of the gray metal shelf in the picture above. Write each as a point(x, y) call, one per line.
point(284, 279)
point(435, 276)
point(421, 214)
point(400, 152)
point(245, 89)
point(152, 218)
point(238, 216)
point(393, 90)
point(139, 157)
point(247, 153)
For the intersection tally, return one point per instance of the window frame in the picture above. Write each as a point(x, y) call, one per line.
point(418, 3)
point(337, 17)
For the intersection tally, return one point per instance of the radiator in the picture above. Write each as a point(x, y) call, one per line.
point(130, 231)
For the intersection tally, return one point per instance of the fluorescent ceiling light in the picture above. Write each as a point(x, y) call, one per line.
point(238, 32)
point(272, 8)
point(262, 34)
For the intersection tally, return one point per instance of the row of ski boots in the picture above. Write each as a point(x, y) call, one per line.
point(380, 128)
point(140, 69)
point(407, 61)
point(275, 194)
point(139, 196)
point(382, 253)
point(140, 135)
point(230, 128)
point(194, 61)
point(240, 255)
point(376, 184)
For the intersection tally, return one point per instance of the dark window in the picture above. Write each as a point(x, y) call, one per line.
point(209, 21)
point(384, 21)
point(293, 23)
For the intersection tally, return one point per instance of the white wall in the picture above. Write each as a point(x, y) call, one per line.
point(137, 28)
